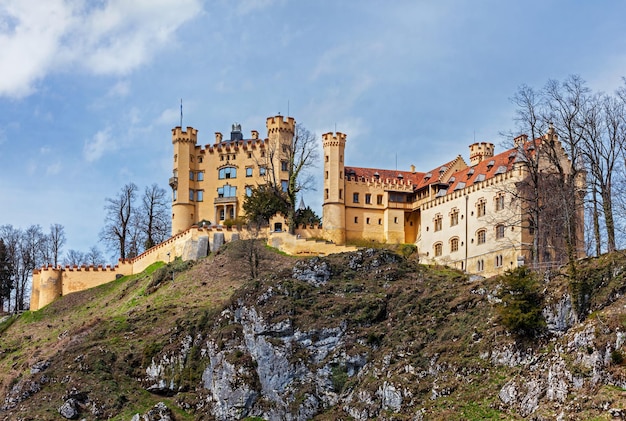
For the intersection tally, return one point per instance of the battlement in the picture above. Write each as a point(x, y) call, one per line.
point(392, 184)
point(333, 139)
point(279, 124)
point(179, 135)
point(480, 151)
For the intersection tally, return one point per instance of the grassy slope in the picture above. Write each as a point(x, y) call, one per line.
point(99, 340)
point(415, 324)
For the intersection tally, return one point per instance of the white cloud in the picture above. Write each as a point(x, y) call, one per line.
point(120, 89)
point(245, 7)
point(101, 143)
point(54, 168)
point(113, 37)
point(169, 117)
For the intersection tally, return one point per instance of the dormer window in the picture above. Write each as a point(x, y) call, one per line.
point(470, 172)
point(376, 175)
point(400, 176)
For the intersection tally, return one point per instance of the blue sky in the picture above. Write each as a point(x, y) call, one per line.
point(89, 90)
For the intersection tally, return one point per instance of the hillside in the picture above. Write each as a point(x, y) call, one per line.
point(359, 335)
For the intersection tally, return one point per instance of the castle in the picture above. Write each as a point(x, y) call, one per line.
point(468, 216)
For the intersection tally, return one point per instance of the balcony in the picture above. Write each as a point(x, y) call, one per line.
point(223, 200)
point(174, 182)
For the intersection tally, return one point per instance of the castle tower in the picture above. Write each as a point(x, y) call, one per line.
point(183, 209)
point(280, 133)
point(480, 151)
point(334, 208)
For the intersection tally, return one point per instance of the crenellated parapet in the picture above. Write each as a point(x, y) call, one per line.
point(387, 184)
point(188, 136)
point(280, 124)
point(334, 139)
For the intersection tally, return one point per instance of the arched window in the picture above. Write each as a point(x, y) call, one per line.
point(454, 244)
point(480, 265)
point(438, 249)
point(499, 231)
point(481, 236)
point(227, 172)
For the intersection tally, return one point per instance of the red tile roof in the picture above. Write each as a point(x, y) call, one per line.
point(484, 170)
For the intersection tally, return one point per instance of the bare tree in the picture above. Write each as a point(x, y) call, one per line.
point(155, 216)
point(56, 241)
point(94, 256)
point(604, 134)
point(118, 226)
point(74, 258)
point(566, 102)
point(6, 275)
point(295, 158)
point(528, 192)
point(30, 257)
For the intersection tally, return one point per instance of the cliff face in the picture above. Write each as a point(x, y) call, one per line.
point(360, 335)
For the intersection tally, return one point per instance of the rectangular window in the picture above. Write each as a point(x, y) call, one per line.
point(454, 218)
point(221, 214)
point(380, 221)
point(340, 193)
point(326, 194)
point(191, 175)
point(395, 219)
point(379, 199)
point(368, 199)
point(200, 176)
point(367, 221)
point(248, 191)
point(356, 219)
point(284, 166)
point(482, 208)
point(191, 195)
point(438, 223)
point(262, 171)
point(284, 185)
point(248, 171)
point(174, 194)
point(199, 195)
point(500, 202)
point(355, 198)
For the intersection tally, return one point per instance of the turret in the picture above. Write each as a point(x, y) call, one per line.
point(183, 209)
point(334, 208)
point(480, 151)
point(280, 133)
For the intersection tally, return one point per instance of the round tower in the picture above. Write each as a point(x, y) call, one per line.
point(334, 208)
point(49, 286)
point(183, 209)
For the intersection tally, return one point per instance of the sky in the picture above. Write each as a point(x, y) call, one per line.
point(90, 90)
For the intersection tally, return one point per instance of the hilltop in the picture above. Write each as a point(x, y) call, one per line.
point(367, 334)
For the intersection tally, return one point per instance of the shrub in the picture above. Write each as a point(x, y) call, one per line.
point(520, 310)
point(407, 249)
point(617, 357)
